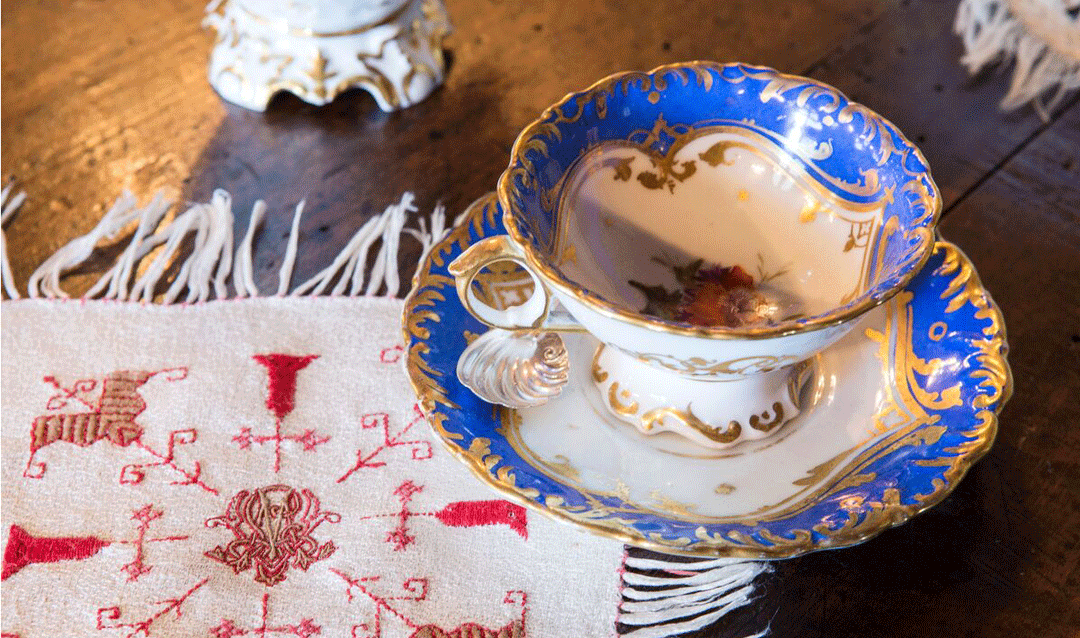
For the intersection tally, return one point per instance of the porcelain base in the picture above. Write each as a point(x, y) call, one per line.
point(398, 58)
point(714, 414)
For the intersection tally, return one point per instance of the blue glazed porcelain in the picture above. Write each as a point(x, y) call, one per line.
point(894, 415)
point(857, 164)
point(621, 198)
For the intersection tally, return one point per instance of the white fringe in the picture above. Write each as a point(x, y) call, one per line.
point(689, 596)
point(7, 209)
point(1040, 36)
point(285, 274)
point(244, 271)
point(212, 259)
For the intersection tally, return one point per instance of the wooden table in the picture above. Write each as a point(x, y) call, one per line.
point(98, 98)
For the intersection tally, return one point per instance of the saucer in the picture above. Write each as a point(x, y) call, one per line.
point(892, 417)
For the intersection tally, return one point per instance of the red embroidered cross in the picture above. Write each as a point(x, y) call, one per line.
point(421, 450)
point(229, 629)
point(456, 514)
point(281, 370)
point(144, 516)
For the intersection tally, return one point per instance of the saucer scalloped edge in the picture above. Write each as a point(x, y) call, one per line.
point(893, 418)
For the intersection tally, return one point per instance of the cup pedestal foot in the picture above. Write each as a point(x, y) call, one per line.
point(397, 58)
point(711, 412)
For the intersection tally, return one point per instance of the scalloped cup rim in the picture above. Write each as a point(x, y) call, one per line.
point(864, 302)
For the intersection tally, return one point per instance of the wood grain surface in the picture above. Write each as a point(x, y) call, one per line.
point(99, 97)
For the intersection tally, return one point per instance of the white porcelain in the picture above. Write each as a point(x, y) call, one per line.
point(707, 412)
point(576, 437)
point(317, 49)
point(630, 204)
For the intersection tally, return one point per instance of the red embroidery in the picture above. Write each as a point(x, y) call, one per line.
point(273, 528)
point(416, 589)
point(281, 370)
point(480, 513)
point(24, 549)
point(229, 629)
point(144, 516)
point(142, 627)
point(135, 473)
point(391, 355)
point(111, 416)
point(456, 514)
point(421, 450)
point(399, 537)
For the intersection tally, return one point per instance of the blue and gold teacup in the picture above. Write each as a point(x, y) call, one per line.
point(714, 226)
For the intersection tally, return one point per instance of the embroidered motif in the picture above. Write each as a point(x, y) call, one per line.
point(229, 629)
point(107, 615)
point(391, 355)
point(273, 527)
point(111, 414)
point(456, 514)
point(399, 537)
point(513, 629)
point(144, 516)
point(421, 450)
point(112, 417)
point(416, 589)
point(281, 371)
point(25, 549)
point(482, 513)
point(134, 473)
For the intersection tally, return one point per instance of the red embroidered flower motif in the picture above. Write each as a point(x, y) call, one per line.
point(273, 527)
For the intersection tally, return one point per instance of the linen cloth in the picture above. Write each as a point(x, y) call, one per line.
point(258, 467)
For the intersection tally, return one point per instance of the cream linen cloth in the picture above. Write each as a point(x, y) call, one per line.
point(258, 467)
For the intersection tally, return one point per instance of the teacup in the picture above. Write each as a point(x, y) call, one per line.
point(631, 204)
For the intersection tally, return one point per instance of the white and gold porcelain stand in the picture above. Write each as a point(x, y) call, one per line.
point(316, 49)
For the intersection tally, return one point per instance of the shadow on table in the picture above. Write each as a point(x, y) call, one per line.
point(952, 568)
point(349, 161)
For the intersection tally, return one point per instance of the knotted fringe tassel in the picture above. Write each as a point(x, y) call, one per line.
point(212, 259)
point(8, 209)
point(1042, 37)
point(685, 596)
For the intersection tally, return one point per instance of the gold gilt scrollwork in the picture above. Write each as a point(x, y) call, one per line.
point(533, 144)
point(686, 417)
point(863, 516)
point(699, 366)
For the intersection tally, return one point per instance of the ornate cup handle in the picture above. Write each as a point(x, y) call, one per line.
point(536, 313)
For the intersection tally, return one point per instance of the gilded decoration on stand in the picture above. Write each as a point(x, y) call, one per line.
point(398, 59)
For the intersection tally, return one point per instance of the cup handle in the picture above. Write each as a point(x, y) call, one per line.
point(536, 313)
